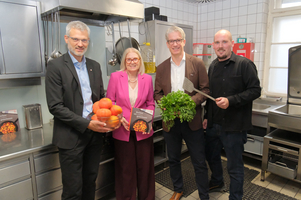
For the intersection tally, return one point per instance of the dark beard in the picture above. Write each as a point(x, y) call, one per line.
point(222, 57)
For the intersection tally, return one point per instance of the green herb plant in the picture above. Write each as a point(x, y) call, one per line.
point(176, 105)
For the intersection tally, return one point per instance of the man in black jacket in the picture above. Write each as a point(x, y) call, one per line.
point(233, 81)
point(73, 84)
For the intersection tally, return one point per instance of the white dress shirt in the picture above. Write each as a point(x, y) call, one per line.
point(177, 74)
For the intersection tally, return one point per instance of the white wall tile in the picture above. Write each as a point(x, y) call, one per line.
point(174, 5)
point(252, 9)
point(251, 28)
point(149, 1)
point(162, 4)
point(234, 21)
point(233, 30)
point(226, 13)
point(243, 10)
point(225, 22)
point(211, 8)
point(259, 8)
point(211, 24)
point(168, 13)
point(218, 15)
point(204, 8)
point(234, 12)
point(251, 19)
point(218, 6)
point(259, 28)
point(242, 20)
point(218, 24)
point(211, 16)
point(180, 6)
point(252, 2)
point(186, 7)
point(226, 4)
point(234, 3)
point(259, 18)
point(242, 30)
point(243, 3)
point(156, 3)
point(204, 17)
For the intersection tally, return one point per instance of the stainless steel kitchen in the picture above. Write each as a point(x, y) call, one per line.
point(32, 35)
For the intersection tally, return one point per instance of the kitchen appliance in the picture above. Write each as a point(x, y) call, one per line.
point(98, 12)
point(154, 33)
point(33, 116)
point(282, 146)
point(21, 43)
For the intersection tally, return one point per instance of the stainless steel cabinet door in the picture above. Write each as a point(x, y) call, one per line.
point(20, 42)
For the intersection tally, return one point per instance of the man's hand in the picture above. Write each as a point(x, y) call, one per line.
point(98, 126)
point(222, 102)
point(205, 124)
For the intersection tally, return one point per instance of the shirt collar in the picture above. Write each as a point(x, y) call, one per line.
point(183, 59)
point(75, 62)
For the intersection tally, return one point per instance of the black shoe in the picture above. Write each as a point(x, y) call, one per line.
point(217, 188)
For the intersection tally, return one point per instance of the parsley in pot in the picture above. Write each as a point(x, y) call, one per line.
point(176, 105)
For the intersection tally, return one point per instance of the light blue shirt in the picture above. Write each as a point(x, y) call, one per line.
point(82, 73)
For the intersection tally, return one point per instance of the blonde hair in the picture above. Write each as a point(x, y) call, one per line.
point(123, 64)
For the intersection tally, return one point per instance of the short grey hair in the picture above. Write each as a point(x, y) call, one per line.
point(141, 70)
point(77, 25)
point(175, 29)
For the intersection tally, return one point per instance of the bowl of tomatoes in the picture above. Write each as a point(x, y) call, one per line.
point(105, 111)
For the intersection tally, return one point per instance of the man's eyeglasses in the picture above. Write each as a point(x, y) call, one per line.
point(178, 41)
point(76, 40)
point(129, 60)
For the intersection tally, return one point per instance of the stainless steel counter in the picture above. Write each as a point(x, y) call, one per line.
point(26, 142)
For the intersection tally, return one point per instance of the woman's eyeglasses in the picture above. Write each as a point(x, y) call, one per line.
point(129, 60)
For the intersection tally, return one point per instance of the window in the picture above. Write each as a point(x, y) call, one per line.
point(284, 32)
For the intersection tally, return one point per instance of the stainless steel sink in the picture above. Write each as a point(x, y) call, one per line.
point(287, 117)
point(260, 110)
point(257, 106)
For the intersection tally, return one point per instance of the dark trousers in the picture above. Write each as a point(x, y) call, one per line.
point(233, 144)
point(79, 167)
point(195, 142)
point(134, 169)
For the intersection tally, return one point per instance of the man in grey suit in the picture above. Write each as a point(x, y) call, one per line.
point(170, 77)
point(73, 84)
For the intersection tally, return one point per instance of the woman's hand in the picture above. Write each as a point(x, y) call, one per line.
point(125, 124)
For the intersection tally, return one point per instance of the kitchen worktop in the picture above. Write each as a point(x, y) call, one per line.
point(26, 142)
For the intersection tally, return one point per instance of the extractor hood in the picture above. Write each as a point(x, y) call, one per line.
point(99, 11)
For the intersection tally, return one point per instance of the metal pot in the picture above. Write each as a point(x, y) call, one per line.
point(122, 44)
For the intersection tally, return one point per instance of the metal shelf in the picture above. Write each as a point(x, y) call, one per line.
point(158, 138)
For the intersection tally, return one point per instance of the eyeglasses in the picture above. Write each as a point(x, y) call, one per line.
point(76, 40)
point(129, 60)
point(178, 41)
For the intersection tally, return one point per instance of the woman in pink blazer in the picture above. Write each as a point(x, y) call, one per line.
point(134, 151)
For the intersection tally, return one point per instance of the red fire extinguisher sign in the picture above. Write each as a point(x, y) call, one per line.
point(245, 50)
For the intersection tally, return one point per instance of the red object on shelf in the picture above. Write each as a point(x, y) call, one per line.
point(245, 50)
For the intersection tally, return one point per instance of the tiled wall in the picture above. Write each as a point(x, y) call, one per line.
point(245, 18)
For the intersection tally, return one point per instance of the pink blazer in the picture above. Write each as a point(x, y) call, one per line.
point(118, 92)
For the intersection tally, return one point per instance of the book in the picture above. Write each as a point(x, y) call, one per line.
point(141, 120)
point(9, 122)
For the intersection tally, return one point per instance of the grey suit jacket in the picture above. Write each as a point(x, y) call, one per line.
point(65, 101)
point(195, 71)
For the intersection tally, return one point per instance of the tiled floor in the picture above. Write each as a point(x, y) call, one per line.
point(273, 182)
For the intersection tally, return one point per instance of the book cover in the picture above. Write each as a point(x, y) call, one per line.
point(9, 121)
point(141, 120)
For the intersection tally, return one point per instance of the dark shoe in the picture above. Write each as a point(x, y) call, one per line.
point(176, 196)
point(217, 188)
